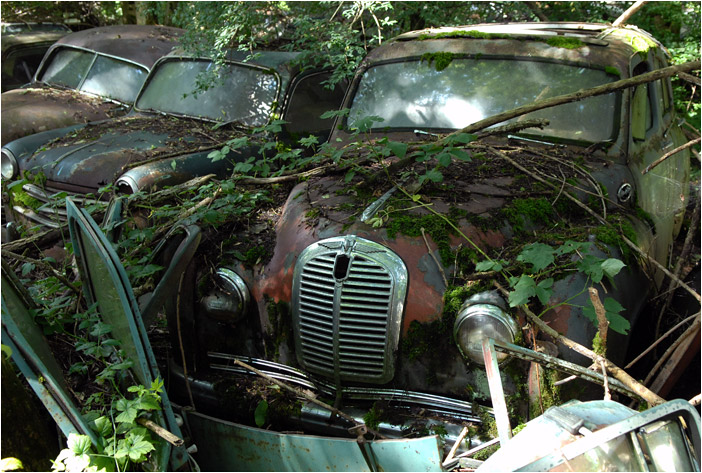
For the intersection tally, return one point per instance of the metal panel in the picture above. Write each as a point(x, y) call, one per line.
point(225, 446)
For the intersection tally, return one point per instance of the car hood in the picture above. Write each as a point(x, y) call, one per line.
point(99, 153)
point(37, 109)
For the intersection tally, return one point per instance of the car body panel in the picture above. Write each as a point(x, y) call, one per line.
point(47, 107)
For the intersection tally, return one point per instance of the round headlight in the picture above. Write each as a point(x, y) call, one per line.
point(9, 165)
point(231, 302)
point(483, 316)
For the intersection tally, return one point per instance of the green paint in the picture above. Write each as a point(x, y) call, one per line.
point(441, 60)
point(565, 42)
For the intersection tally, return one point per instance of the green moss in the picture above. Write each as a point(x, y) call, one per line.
point(312, 214)
point(640, 43)
point(281, 327)
point(255, 255)
point(522, 211)
point(373, 417)
point(613, 71)
point(462, 34)
point(19, 196)
point(597, 345)
point(566, 42)
point(441, 60)
point(550, 393)
point(437, 227)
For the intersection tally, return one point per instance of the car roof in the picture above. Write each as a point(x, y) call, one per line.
point(603, 44)
point(281, 61)
point(143, 44)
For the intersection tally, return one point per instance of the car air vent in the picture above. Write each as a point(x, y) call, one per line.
point(348, 300)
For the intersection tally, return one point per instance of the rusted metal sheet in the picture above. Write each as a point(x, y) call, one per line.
point(225, 446)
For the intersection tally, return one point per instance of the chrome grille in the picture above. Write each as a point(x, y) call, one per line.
point(52, 212)
point(348, 298)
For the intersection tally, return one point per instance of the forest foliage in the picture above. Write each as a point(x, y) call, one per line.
point(339, 34)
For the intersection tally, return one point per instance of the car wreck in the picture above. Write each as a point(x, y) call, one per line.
point(174, 128)
point(85, 76)
point(23, 48)
point(373, 284)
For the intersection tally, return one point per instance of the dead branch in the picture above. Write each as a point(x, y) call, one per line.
point(602, 322)
point(537, 11)
point(695, 401)
point(624, 17)
point(540, 123)
point(618, 373)
point(688, 333)
point(287, 177)
point(689, 78)
point(669, 154)
point(161, 432)
point(433, 257)
point(309, 397)
point(576, 96)
point(42, 264)
point(660, 339)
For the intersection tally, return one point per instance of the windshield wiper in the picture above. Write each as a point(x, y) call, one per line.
point(422, 132)
point(529, 140)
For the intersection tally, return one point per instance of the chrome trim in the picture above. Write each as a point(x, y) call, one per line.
point(126, 184)
point(375, 206)
point(439, 405)
point(8, 159)
point(52, 212)
point(347, 304)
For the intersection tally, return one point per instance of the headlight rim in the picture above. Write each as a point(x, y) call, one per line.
point(8, 155)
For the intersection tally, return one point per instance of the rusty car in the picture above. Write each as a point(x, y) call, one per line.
point(173, 128)
point(373, 284)
point(23, 47)
point(84, 76)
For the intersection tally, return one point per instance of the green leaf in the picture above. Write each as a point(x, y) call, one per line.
point(461, 138)
point(490, 265)
point(524, 289)
point(261, 412)
point(612, 312)
point(539, 255)
point(137, 447)
point(571, 246)
point(349, 175)
point(612, 266)
point(460, 154)
point(309, 141)
point(398, 149)
point(173, 164)
point(148, 403)
point(366, 123)
point(432, 175)
point(544, 291)
point(592, 267)
point(444, 159)
point(10, 464)
point(27, 268)
point(79, 444)
point(335, 113)
point(7, 351)
point(103, 426)
point(128, 411)
point(100, 328)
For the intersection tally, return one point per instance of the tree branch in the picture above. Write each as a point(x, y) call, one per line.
point(624, 17)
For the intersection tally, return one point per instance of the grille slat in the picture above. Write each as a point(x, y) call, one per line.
point(354, 319)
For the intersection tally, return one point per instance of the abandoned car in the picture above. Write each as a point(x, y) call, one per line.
point(372, 286)
point(23, 47)
point(173, 128)
point(85, 76)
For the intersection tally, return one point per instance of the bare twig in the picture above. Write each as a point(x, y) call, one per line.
point(607, 394)
point(624, 17)
point(431, 253)
point(43, 264)
point(456, 444)
point(689, 78)
point(161, 432)
point(663, 337)
point(669, 154)
point(288, 177)
point(602, 322)
point(689, 332)
point(695, 401)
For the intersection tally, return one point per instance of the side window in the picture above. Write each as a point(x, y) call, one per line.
point(641, 107)
point(309, 100)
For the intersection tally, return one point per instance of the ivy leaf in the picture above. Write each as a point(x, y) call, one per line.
point(612, 266)
point(524, 289)
point(592, 267)
point(397, 148)
point(543, 290)
point(444, 159)
point(261, 412)
point(460, 154)
point(572, 246)
point(103, 426)
point(539, 255)
point(617, 322)
point(432, 175)
point(79, 444)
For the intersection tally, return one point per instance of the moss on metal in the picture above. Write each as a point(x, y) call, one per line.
point(441, 60)
point(565, 42)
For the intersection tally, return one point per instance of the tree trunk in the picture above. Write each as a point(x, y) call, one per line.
point(129, 16)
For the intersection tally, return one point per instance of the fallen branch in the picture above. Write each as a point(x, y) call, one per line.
point(576, 96)
point(689, 78)
point(43, 264)
point(624, 17)
point(689, 332)
point(310, 398)
point(433, 257)
point(287, 177)
point(663, 337)
point(646, 394)
point(456, 444)
point(669, 154)
point(161, 432)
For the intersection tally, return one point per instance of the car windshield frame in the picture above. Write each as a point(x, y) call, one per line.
point(139, 105)
point(96, 56)
point(421, 61)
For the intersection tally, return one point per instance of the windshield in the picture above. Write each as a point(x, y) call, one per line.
point(241, 93)
point(94, 74)
point(414, 94)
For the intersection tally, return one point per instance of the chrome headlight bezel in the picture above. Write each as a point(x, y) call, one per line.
point(483, 315)
point(9, 166)
point(231, 301)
